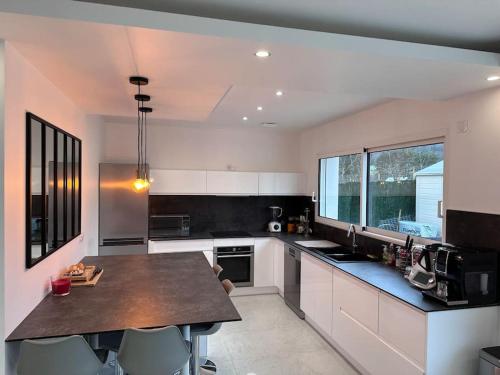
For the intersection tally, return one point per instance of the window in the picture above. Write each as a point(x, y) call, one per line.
point(339, 192)
point(405, 190)
point(395, 189)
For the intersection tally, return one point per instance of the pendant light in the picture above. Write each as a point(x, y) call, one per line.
point(141, 182)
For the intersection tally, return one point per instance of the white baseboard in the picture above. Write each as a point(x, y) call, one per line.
point(252, 291)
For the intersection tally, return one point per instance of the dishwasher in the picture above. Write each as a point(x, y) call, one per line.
point(292, 280)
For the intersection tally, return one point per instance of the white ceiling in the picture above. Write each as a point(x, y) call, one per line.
point(458, 23)
point(203, 79)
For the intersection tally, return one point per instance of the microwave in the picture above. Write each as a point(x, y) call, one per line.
point(169, 226)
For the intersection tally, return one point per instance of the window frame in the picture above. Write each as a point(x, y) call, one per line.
point(383, 234)
point(339, 155)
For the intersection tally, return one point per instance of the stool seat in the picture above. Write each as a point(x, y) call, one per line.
point(205, 329)
point(61, 356)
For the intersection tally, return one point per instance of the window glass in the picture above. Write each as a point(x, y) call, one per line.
point(339, 192)
point(405, 190)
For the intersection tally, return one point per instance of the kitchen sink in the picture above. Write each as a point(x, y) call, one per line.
point(350, 257)
point(317, 244)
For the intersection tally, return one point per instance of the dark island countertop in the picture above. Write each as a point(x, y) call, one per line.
point(383, 277)
point(140, 291)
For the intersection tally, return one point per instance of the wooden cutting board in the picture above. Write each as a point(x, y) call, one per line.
point(85, 276)
point(91, 282)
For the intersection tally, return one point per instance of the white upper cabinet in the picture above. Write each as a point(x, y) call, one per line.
point(271, 183)
point(192, 182)
point(178, 182)
point(232, 183)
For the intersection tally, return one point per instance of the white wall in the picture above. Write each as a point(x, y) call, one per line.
point(177, 147)
point(2, 211)
point(472, 158)
point(27, 90)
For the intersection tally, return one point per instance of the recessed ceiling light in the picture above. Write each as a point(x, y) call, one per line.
point(279, 93)
point(262, 53)
point(493, 78)
point(259, 108)
point(245, 118)
point(269, 124)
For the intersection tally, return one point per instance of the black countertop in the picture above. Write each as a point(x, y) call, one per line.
point(141, 291)
point(378, 275)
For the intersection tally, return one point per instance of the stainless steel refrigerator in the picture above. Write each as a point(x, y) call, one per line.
point(123, 212)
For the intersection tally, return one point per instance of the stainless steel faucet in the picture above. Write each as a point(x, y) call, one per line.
point(352, 230)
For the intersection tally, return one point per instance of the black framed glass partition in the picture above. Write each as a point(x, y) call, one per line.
point(53, 188)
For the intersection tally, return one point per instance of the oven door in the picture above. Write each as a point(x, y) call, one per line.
point(236, 267)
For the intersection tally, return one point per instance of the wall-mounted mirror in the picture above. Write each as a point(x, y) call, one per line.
point(53, 188)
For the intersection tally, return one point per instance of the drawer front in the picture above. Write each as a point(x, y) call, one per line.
point(375, 356)
point(234, 242)
point(403, 327)
point(356, 299)
point(156, 247)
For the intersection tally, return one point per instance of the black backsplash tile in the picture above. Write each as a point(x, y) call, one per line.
point(473, 229)
point(216, 213)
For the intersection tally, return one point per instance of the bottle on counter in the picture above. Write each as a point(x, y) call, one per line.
point(392, 251)
point(386, 255)
point(397, 255)
point(292, 225)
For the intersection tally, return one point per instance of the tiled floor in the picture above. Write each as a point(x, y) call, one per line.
point(272, 340)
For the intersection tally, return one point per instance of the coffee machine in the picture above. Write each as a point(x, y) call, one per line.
point(465, 276)
point(274, 225)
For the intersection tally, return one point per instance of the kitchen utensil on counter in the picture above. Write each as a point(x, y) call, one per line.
point(422, 272)
point(274, 225)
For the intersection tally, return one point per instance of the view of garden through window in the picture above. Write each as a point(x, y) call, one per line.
point(404, 192)
point(340, 179)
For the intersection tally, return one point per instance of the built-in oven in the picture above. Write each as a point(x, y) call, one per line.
point(237, 263)
point(169, 226)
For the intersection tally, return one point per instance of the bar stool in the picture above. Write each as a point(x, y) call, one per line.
point(217, 270)
point(157, 351)
point(61, 356)
point(206, 330)
point(228, 286)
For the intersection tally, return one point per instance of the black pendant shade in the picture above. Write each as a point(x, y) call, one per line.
point(138, 80)
point(142, 181)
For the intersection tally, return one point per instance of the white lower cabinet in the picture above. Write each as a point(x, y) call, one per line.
point(316, 291)
point(357, 299)
point(377, 330)
point(403, 327)
point(264, 262)
point(368, 350)
point(182, 246)
point(279, 269)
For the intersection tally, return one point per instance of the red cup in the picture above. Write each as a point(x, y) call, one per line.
point(61, 286)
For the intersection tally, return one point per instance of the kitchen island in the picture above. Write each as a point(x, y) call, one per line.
point(139, 291)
